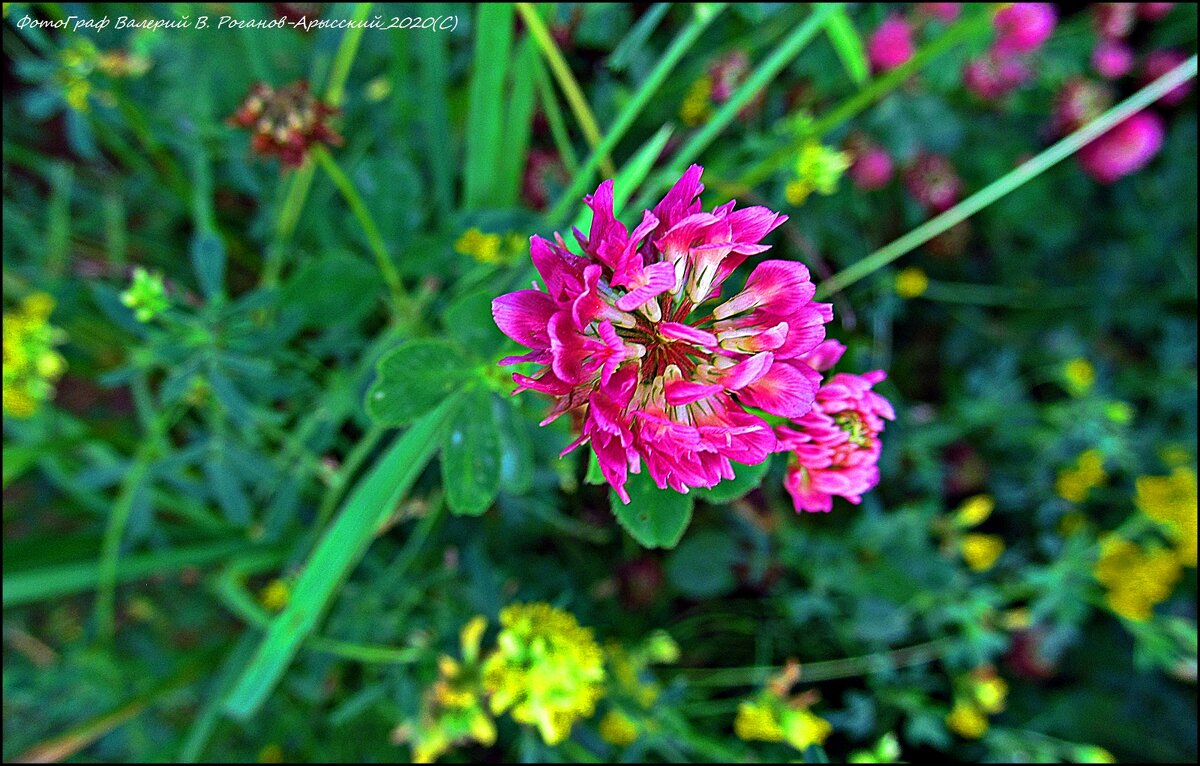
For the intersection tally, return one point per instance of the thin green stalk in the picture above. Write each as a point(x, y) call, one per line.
point(374, 239)
point(679, 46)
point(780, 57)
point(110, 549)
point(566, 81)
point(346, 472)
point(875, 90)
point(558, 126)
point(1026, 171)
point(300, 182)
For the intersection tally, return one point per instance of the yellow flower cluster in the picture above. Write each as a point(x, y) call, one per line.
point(546, 669)
point(697, 104)
point(911, 283)
point(979, 694)
point(1171, 501)
point(974, 511)
point(775, 716)
point(31, 365)
point(1078, 376)
point(1135, 578)
point(490, 248)
point(1075, 483)
point(453, 709)
point(818, 169)
point(81, 58)
point(627, 673)
point(979, 551)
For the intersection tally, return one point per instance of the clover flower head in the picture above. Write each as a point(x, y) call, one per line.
point(1159, 63)
point(31, 364)
point(891, 44)
point(546, 669)
point(872, 168)
point(1023, 27)
point(1114, 20)
point(1112, 59)
point(286, 122)
point(1079, 102)
point(1123, 150)
point(1154, 11)
point(835, 446)
point(627, 339)
point(993, 76)
point(933, 183)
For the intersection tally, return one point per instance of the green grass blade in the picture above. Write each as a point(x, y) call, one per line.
point(339, 549)
point(558, 126)
point(631, 43)
point(632, 175)
point(682, 43)
point(485, 117)
point(849, 45)
point(518, 123)
point(1026, 171)
point(33, 585)
point(433, 75)
point(780, 57)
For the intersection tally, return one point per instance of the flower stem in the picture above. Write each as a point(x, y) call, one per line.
point(350, 194)
point(1010, 181)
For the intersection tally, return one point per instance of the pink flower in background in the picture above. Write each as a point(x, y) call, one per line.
point(1154, 11)
point(1079, 102)
point(835, 447)
point(932, 182)
point(1159, 63)
point(991, 76)
point(1023, 27)
point(891, 44)
point(872, 168)
point(727, 74)
point(1113, 20)
point(1112, 59)
point(623, 343)
point(1123, 150)
point(946, 12)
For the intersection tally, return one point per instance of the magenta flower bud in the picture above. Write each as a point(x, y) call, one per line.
point(946, 12)
point(1112, 59)
point(1023, 27)
point(872, 169)
point(1159, 63)
point(933, 183)
point(1154, 11)
point(891, 44)
point(992, 76)
point(835, 447)
point(1114, 20)
point(1079, 102)
point(1125, 149)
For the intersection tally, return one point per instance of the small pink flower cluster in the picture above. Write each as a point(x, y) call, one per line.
point(1112, 58)
point(633, 340)
point(1021, 29)
point(933, 182)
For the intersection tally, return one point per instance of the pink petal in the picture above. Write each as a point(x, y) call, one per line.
point(693, 335)
point(524, 316)
point(787, 390)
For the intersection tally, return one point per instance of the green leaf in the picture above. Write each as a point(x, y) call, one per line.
point(469, 321)
point(702, 566)
point(516, 452)
point(413, 379)
point(655, 517)
point(471, 456)
point(849, 45)
point(485, 139)
point(208, 261)
point(337, 552)
point(747, 478)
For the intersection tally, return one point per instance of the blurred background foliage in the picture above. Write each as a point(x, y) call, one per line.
point(218, 546)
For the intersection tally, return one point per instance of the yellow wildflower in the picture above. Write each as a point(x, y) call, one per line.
point(966, 720)
point(483, 247)
point(981, 551)
point(988, 689)
point(1136, 579)
point(697, 104)
point(1078, 375)
point(911, 283)
point(1075, 483)
point(974, 511)
point(275, 595)
point(803, 728)
point(546, 669)
point(1171, 501)
point(818, 169)
point(31, 365)
point(618, 729)
point(452, 710)
point(757, 721)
